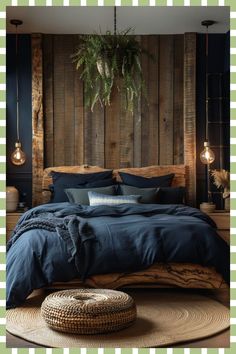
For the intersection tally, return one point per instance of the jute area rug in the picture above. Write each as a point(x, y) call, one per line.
point(163, 318)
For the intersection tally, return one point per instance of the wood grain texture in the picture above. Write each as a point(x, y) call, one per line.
point(137, 126)
point(48, 84)
point(166, 99)
point(37, 118)
point(190, 113)
point(150, 102)
point(79, 114)
point(112, 137)
point(178, 109)
point(183, 275)
point(59, 100)
point(112, 131)
point(94, 136)
point(126, 134)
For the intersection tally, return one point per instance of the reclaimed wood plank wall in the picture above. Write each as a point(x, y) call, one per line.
point(37, 118)
point(112, 137)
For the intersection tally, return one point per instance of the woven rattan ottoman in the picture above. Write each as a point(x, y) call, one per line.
point(88, 311)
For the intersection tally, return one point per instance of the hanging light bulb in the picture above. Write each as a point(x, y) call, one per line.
point(207, 156)
point(18, 156)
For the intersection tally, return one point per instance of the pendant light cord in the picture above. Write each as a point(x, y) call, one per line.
point(207, 134)
point(115, 20)
point(17, 89)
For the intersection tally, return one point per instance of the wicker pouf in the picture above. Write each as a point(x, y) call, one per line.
point(88, 311)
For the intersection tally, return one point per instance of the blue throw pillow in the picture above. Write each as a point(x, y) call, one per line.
point(148, 195)
point(63, 180)
point(144, 182)
point(80, 195)
point(171, 195)
point(101, 199)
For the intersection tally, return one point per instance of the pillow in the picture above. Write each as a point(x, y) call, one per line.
point(80, 195)
point(144, 182)
point(101, 199)
point(148, 195)
point(62, 180)
point(171, 195)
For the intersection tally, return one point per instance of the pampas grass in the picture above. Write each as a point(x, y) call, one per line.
point(222, 180)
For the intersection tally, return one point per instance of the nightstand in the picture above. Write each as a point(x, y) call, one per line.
point(222, 220)
point(11, 220)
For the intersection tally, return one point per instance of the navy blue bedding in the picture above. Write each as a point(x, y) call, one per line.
point(61, 241)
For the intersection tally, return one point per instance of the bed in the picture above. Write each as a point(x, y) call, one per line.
point(85, 220)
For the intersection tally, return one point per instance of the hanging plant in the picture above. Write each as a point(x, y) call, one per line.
point(109, 62)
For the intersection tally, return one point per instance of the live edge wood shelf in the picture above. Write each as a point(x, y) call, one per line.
point(222, 220)
point(11, 221)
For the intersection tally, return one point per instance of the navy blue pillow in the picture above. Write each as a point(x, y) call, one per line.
point(171, 195)
point(63, 181)
point(143, 182)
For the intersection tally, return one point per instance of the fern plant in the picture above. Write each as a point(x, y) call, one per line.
point(109, 62)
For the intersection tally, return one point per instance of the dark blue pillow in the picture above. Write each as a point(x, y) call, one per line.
point(143, 182)
point(63, 181)
point(171, 195)
point(79, 178)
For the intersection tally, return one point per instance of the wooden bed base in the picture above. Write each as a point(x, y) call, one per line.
point(157, 276)
point(182, 275)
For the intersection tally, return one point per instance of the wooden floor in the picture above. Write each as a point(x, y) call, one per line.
point(221, 340)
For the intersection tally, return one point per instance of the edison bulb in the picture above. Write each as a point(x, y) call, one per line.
point(18, 156)
point(207, 156)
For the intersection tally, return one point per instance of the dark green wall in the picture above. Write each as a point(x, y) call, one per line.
point(20, 176)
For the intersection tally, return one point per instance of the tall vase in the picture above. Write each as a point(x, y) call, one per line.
point(227, 204)
point(12, 199)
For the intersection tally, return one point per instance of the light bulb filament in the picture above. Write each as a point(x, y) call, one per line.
point(18, 156)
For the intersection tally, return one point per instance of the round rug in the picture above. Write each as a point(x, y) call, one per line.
point(163, 318)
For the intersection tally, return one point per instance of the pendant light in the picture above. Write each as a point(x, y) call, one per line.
point(207, 156)
point(18, 156)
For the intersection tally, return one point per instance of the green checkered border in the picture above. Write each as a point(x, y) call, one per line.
point(3, 5)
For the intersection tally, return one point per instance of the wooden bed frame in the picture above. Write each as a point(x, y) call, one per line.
point(182, 275)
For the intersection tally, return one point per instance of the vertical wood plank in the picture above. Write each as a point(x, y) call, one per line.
point(48, 98)
point(190, 113)
point(137, 126)
point(112, 132)
point(178, 110)
point(126, 133)
point(166, 100)
point(59, 100)
point(149, 108)
point(79, 112)
point(94, 136)
point(37, 118)
point(69, 117)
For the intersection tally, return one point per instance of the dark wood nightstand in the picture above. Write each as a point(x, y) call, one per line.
point(11, 220)
point(222, 220)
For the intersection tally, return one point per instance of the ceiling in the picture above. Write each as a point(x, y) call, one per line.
point(143, 19)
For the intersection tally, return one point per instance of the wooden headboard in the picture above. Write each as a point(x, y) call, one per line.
point(180, 171)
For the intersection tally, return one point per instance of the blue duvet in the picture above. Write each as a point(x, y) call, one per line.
point(62, 241)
